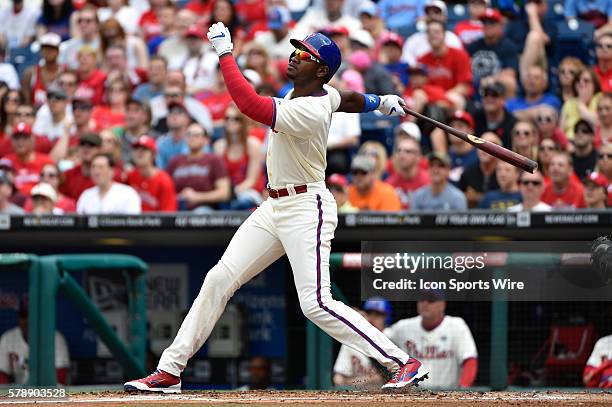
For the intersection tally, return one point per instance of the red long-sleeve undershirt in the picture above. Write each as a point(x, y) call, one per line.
point(259, 108)
point(468, 372)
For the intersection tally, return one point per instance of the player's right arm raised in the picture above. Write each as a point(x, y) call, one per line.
point(258, 108)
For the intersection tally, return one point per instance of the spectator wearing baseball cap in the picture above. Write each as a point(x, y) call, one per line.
point(6, 192)
point(44, 198)
point(78, 178)
point(417, 44)
point(595, 191)
point(421, 95)
point(154, 186)
point(493, 115)
point(477, 179)
point(276, 38)
point(338, 186)
point(353, 368)
point(470, 30)
point(57, 124)
point(462, 154)
point(494, 55)
point(36, 79)
point(26, 161)
point(585, 154)
point(366, 191)
point(531, 187)
point(439, 195)
point(408, 175)
point(391, 53)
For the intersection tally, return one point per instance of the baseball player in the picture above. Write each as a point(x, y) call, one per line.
point(445, 343)
point(598, 370)
point(298, 218)
point(353, 368)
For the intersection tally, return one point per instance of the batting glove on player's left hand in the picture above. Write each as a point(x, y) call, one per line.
point(392, 105)
point(220, 38)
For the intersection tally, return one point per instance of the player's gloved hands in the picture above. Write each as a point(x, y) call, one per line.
point(220, 38)
point(392, 105)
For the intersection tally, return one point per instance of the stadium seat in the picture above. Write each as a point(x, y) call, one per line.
point(456, 13)
point(569, 348)
point(23, 58)
point(556, 10)
point(575, 41)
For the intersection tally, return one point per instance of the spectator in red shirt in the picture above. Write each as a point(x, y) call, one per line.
point(420, 93)
point(564, 192)
point(112, 114)
point(117, 66)
point(217, 100)
point(10, 101)
point(200, 178)
point(78, 179)
point(242, 156)
point(91, 79)
point(154, 186)
point(26, 161)
point(595, 191)
point(52, 176)
point(408, 175)
point(448, 67)
point(149, 22)
point(25, 113)
point(603, 69)
point(82, 108)
point(547, 123)
point(471, 29)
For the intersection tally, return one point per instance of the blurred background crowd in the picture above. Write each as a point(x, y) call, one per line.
point(118, 106)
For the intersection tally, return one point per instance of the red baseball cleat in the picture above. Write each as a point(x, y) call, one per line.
point(412, 372)
point(158, 381)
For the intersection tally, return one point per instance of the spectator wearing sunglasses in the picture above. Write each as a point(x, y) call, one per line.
point(584, 103)
point(338, 186)
point(547, 124)
point(603, 69)
point(531, 187)
point(568, 68)
point(89, 35)
point(584, 155)
point(78, 178)
point(493, 116)
point(60, 120)
point(367, 192)
point(546, 150)
point(52, 176)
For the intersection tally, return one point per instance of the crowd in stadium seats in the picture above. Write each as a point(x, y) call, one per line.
point(120, 107)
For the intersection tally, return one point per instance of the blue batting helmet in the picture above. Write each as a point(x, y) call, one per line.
point(323, 48)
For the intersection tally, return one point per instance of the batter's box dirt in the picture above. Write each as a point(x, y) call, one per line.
point(420, 398)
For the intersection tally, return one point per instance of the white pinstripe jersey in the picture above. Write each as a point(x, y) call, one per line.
point(298, 143)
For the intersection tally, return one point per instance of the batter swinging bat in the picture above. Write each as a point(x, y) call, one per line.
point(500, 152)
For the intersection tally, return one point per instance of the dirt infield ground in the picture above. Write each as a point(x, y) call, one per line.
point(420, 398)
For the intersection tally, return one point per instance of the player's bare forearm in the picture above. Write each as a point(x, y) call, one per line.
point(351, 102)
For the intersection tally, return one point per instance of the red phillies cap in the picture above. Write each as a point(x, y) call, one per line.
point(194, 31)
point(392, 37)
point(337, 179)
point(464, 117)
point(492, 14)
point(146, 142)
point(596, 178)
point(22, 128)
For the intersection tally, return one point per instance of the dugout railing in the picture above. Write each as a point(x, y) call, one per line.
point(49, 274)
point(320, 346)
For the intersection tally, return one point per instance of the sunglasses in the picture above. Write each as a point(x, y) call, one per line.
point(304, 56)
point(544, 119)
point(489, 22)
point(53, 96)
point(358, 172)
point(81, 106)
point(87, 144)
point(531, 182)
point(488, 93)
point(522, 133)
point(605, 155)
point(21, 136)
point(584, 130)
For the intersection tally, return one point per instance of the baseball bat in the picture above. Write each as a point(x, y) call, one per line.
point(500, 152)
